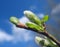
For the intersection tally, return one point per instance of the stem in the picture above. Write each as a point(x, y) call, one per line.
point(43, 33)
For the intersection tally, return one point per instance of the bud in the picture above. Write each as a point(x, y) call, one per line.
point(32, 17)
point(45, 42)
point(49, 43)
point(39, 40)
point(34, 26)
point(14, 20)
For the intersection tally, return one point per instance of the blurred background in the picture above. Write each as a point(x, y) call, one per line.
point(11, 36)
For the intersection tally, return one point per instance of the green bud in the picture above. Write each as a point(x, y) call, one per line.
point(45, 42)
point(32, 17)
point(14, 20)
point(34, 26)
point(49, 43)
point(39, 40)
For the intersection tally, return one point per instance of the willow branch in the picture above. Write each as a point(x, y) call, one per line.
point(43, 33)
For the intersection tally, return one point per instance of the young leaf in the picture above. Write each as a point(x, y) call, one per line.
point(34, 26)
point(45, 18)
point(32, 17)
point(14, 20)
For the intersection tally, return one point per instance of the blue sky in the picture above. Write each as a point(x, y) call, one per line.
point(10, 36)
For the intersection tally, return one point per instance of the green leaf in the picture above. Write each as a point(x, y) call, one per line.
point(14, 20)
point(45, 18)
point(32, 17)
point(34, 26)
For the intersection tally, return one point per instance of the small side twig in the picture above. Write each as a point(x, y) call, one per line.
point(43, 33)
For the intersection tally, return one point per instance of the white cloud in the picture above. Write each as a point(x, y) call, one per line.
point(55, 13)
point(18, 34)
point(56, 9)
point(21, 34)
point(5, 37)
point(40, 15)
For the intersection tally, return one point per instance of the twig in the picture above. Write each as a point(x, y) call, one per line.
point(43, 33)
